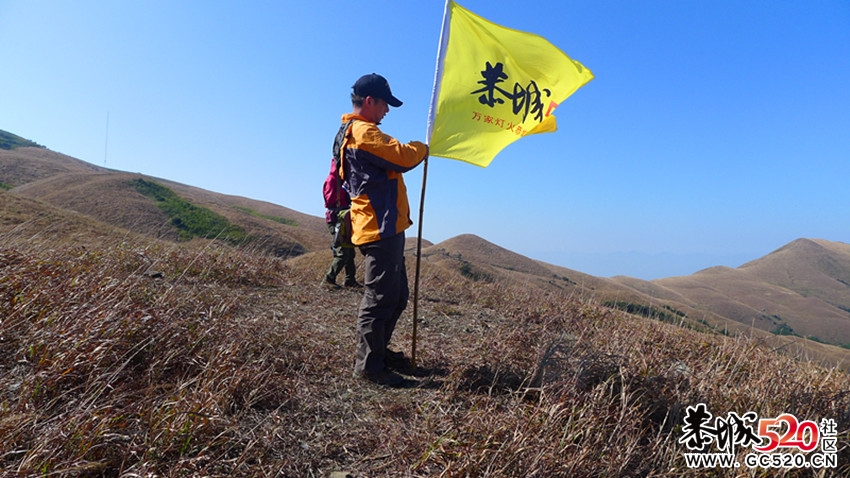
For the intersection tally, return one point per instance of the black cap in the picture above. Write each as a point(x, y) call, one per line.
point(376, 86)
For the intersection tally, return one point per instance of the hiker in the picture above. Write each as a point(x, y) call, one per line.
point(337, 200)
point(371, 169)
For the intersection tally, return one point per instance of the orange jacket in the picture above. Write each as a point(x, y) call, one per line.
point(372, 165)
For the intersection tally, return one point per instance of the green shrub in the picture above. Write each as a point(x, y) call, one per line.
point(647, 311)
point(190, 220)
point(11, 141)
point(783, 329)
point(281, 220)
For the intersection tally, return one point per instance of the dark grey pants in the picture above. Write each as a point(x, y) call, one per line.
point(384, 299)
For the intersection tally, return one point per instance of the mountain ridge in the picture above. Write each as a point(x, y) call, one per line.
point(798, 289)
point(797, 292)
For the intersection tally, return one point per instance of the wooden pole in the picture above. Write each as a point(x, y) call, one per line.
point(418, 262)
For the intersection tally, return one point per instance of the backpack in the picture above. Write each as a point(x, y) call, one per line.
point(337, 201)
point(335, 196)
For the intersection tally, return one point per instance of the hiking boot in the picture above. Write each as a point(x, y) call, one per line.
point(384, 378)
point(329, 284)
point(397, 361)
point(353, 284)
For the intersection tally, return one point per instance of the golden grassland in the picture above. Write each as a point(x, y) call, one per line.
point(133, 357)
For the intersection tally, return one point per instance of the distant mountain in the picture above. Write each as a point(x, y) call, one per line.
point(796, 297)
point(473, 249)
point(800, 289)
point(799, 293)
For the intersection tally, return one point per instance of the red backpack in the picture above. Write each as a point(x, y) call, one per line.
point(337, 200)
point(336, 197)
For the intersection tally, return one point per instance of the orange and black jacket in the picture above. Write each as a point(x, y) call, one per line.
point(372, 165)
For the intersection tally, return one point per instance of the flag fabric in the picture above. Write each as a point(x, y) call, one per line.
point(494, 85)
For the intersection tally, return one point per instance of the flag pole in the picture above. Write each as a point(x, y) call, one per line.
point(435, 93)
point(418, 263)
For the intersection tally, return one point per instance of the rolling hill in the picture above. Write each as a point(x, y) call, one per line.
point(112, 198)
point(799, 289)
point(798, 293)
point(149, 328)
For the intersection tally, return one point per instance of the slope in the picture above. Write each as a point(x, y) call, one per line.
point(110, 196)
point(799, 289)
point(28, 164)
point(234, 364)
point(718, 300)
point(480, 260)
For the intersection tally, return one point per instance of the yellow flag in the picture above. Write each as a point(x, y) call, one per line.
point(494, 85)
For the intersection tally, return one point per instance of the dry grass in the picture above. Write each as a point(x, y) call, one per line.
point(149, 359)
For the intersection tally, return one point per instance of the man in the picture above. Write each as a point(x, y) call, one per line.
point(336, 200)
point(372, 167)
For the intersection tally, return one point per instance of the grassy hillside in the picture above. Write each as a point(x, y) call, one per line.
point(27, 165)
point(136, 357)
point(125, 351)
point(114, 199)
point(111, 197)
point(802, 288)
point(801, 291)
point(190, 220)
point(11, 141)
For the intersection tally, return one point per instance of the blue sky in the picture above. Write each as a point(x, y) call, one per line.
point(714, 132)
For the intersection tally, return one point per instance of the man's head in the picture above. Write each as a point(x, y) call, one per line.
point(371, 97)
point(376, 86)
